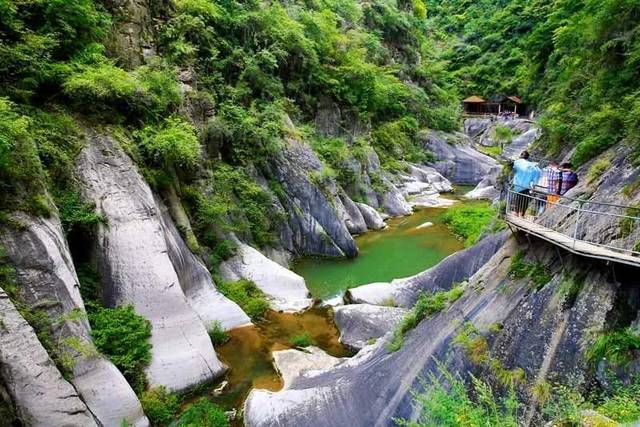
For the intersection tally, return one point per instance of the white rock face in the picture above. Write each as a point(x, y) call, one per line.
point(425, 225)
point(431, 176)
point(45, 272)
point(360, 323)
point(285, 288)
point(372, 217)
point(42, 397)
point(197, 284)
point(353, 218)
point(432, 200)
point(520, 143)
point(295, 363)
point(135, 266)
point(373, 293)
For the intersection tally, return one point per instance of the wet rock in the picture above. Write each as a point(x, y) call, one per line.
point(285, 289)
point(354, 221)
point(302, 362)
point(371, 217)
point(196, 282)
point(41, 396)
point(135, 267)
point(456, 158)
point(455, 268)
point(359, 324)
point(48, 283)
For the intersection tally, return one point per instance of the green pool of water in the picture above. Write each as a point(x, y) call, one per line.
point(400, 250)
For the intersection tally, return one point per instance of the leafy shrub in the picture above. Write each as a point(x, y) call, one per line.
point(426, 305)
point(123, 336)
point(101, 84)
point(77, 215)
point(247, 295)
point(160, 406)
point(536, 271)
point(469, 221)
point(447, 402)
point(174, 144)
point(203, 413)
point(21, 173)
point(617, 347)
point(302, 340)
point(596, 170)
point(218, 334)
point(627, 225)
point(622, 403)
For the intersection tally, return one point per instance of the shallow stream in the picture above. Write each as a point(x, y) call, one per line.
point(402, 249)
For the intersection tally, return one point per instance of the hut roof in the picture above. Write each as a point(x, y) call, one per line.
point(515, 99)
point(473, 99)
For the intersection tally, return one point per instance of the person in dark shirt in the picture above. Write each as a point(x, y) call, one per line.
point(568, 178)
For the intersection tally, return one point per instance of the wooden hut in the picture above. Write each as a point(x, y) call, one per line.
point(473, 105)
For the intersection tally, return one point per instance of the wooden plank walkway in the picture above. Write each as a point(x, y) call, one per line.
point(578, 247)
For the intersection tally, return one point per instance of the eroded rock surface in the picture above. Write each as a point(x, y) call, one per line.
point(48, 283)
point(294, 363)
point(362, 324)
point(135, 267)
point(285, 289)
point(41, 396)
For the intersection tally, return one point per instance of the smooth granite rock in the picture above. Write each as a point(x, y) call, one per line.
point(455, 268)
point(314, 225)
point(519, 144)
point(355, 221)
point(133, 259)
point(294, 363)
point(285, 289)
point(360, 323)
point(196, 281)
point(487, 188)
point(40, 395)
point(456, 158)
point(372, 217)
point(47, 279)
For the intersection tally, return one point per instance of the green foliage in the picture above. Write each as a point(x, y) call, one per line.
point(470, 221)
point(503, 134)
point(218, 334)
point(159, 405)
point(621, 403)
point(598, 168)
point(627, 225)
point(247, 295)
point(427, 305)
point(446, 401)
point(616, 346)
point(536, 271)
point(203, 413)
point(301, 340)
point(236, 204)
point(21, 175)
point(173, 144)
point(75, 215)
point(123, 336)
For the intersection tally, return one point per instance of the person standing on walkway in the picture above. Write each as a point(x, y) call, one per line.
point(526, 175)
point(553, 174)
point(568, 178)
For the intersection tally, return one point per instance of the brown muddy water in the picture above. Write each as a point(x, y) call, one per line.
point(248, 353)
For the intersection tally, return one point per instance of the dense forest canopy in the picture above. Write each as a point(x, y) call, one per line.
point(400, 66)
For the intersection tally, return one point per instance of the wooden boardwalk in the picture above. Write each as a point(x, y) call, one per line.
point(578, 247)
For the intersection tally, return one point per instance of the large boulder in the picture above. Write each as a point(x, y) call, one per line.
point(359, 324)
point(285, 289)
point(196, 281)
point(455, 268)
point(354, 220)
point(372, 217)
point(48, 284)
point(39, 393)
point(456, 158)
point(294, 363)
point(132, 256)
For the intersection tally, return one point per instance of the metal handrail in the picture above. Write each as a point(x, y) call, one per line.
point(543, 216)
